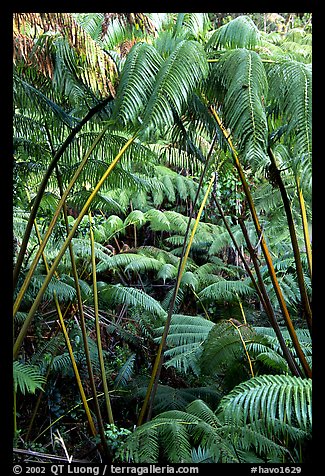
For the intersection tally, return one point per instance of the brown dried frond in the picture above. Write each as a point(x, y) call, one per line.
point(98, 70)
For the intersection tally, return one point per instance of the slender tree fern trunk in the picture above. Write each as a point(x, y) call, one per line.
point(98, 336)
point(265, 250)
point(268, 306)
point(294, 241)
point(58, 258)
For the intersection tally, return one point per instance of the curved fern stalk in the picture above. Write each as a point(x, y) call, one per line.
point(54, 219)
point(45, 180)
point(243, 343)
point(267, 303)
point(294, 241)
point(99, 343)
point(242, 257)
point(153, 384)
point(84, 330)
point(265, 249)
point(41, 292)
point(69, 346)
point(305, 224)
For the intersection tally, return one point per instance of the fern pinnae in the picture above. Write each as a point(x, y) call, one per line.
point(27, 378)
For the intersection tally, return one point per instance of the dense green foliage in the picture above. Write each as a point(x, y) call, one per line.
point(162, 195)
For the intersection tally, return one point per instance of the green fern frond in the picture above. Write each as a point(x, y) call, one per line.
point(226, 290)
point(65, 292)
point(267, 349)
point(158, 220)
point(241, 32)
point(136, 83)
point(167, 271)
point(118, 294)
point(270, 397)
point(290, 90)
point(177, 429)
point(184, 341)
point(136, 217)
point(244, 78)
point(27, 378)
point(175, 80)
point(125, 373)
point(223, 348)
point(25, 94)
point(158, 253)
point(114, 225)
point(144, 264)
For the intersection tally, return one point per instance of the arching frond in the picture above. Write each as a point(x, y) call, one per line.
point(136, 83)
point(227, 290)
point(118, 294)
point(175, 81)
point(290, 90)
point(27, 378)
point(223, 349)
point(184, 341)
point(136, 217)
point(271, 398)
point(241, 32)
point(244, 79)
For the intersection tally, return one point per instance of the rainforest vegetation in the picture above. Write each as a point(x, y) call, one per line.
point(162, 237)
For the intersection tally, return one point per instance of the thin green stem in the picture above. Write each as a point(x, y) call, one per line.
point(294, 240)
point(54, 220)
point(305, 225)
point(58, 258)
point(265, 249)
point(98, 336)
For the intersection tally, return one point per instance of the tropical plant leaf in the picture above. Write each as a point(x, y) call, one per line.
point(27, 378)
point(244, 79)
point(118, 294)
point(136, 83)
point(175, 80)
point(290, 90)
point(284, 398)
point(241, 32)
